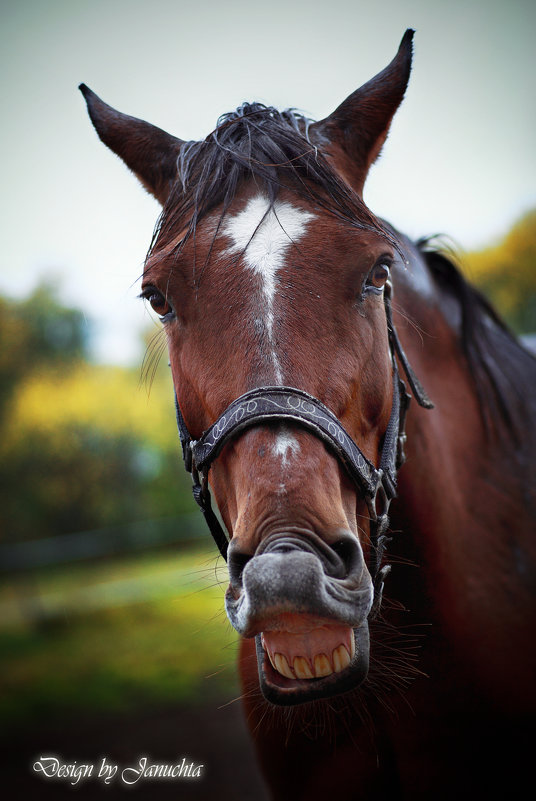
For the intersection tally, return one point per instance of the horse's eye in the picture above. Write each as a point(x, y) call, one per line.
point(378, 276)
point(158, 302)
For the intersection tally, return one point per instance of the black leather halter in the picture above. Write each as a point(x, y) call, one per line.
point(288, 404)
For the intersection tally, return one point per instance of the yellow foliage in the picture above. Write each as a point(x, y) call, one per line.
point(507, 273)
point(109, 398)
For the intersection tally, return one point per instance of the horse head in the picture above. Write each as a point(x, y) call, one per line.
point(272, 279)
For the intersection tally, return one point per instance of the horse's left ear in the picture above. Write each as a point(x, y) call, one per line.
point(148, 151)
point(353, 135)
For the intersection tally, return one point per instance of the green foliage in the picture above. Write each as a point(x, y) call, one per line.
point(37, 333)
point(506, 272)
point(169, 648)
point(88, 449)
point(82, 446)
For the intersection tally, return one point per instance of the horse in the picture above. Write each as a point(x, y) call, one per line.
point(348, 400)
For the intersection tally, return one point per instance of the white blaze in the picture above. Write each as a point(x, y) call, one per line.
point(286, 446)
point(264, 240)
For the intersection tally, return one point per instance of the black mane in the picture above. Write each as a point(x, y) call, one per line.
point(269, 146)
point(502, 369)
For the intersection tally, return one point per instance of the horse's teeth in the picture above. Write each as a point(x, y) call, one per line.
point(282, 666)
point(322, 666)
point(302, 669)
point(340, 658)
point(309, 667)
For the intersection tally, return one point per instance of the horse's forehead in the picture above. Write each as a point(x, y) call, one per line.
point(263, 234)
point(285, 220)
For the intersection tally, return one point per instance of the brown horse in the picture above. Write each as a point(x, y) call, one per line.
point(296, 322)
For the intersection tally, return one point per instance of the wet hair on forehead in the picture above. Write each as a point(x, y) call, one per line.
point(271, 148)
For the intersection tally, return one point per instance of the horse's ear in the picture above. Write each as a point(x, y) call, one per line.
point(148, 151)
point(353, 135)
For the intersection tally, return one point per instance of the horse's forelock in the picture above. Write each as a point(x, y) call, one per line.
point(272, 148)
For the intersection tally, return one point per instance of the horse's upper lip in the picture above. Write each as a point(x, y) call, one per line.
point(274, 584)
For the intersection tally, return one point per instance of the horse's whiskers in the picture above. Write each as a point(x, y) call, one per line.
point(151, 360)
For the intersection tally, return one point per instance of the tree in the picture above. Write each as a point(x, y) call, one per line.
point(37, 333)
point(506, 272)
point(82, 446)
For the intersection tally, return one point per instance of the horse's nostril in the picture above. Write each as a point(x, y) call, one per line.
point(350, 554)
point(236, 562)
point(345, 550)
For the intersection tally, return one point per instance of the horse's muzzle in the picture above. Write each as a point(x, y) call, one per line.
point(307, 603)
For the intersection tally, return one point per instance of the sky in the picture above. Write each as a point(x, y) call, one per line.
point(460, 158)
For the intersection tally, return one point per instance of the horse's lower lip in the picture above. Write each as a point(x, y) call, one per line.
point(287, 692)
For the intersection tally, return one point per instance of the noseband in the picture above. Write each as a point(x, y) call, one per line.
point(287, 404)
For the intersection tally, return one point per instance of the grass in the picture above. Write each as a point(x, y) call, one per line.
point(115, 636)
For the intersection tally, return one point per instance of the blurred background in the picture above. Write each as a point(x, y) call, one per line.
point(113, 637)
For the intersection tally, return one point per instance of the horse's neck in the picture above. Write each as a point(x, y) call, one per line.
point(475, 465)
point(462, 512)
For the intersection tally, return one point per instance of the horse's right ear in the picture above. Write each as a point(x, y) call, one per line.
point(148, 151)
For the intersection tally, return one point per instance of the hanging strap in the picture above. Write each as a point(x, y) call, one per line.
point(416, 387)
